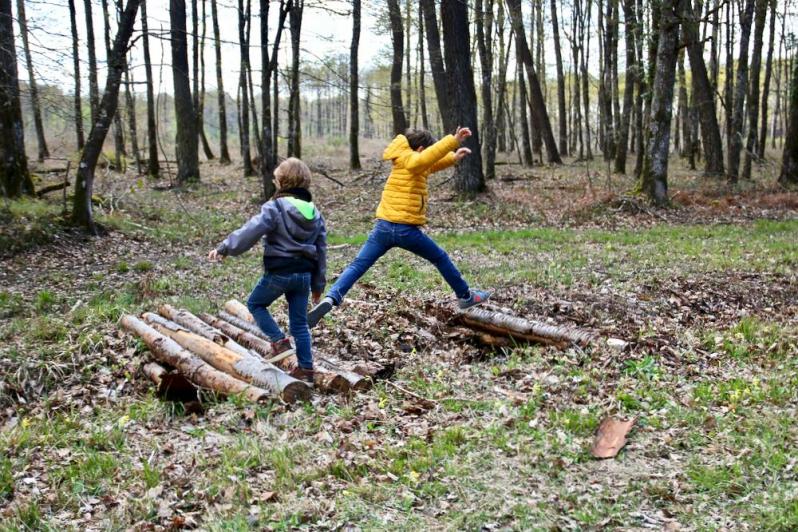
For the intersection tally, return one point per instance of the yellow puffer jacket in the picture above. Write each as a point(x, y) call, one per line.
point(404, 199)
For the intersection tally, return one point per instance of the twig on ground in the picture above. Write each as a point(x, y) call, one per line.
point(411, 394)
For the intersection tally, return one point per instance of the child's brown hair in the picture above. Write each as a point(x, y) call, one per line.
point(419, 138)
point(291, 173)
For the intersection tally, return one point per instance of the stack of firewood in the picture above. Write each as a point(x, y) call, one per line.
point(229, 354)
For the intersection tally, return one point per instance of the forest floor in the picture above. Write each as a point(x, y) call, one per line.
point(704, 293)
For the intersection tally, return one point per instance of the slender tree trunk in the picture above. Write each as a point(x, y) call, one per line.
point(269, 61)
point(200, 98)
point(130, 102)
point(654, 179)
point(563, 119)
point(751, 148)
point(408, 99)
point(642, 88)
point(536, 95)
point(84, 180)
point(186, 140)
point(629, 84)
point(736, 144)
point(276, 110)
point(243, 116)
point(526, 146)
point(683, 122)
point(501, 86)
point(469, 178)
point(14, 177)
point(763, 130)
point(439, 78)
point(153, 168)
point(34, 92)
point(224, 153)
point(728, 86)
point(397, 38)
point(422, 89)
point(354, 80)
point(119, 138)
point(94, 90)
point(484, 23)
point(76, 62)
point(585, 80)
point(294, 120)
point(789, 161)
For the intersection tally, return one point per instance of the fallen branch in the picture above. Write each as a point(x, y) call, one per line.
point(199, 372)
point(499, 323)
point(51, 188)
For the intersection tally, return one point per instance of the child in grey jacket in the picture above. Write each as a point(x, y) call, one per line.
point(294, 259)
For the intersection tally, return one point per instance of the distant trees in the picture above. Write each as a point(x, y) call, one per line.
point(34, 92)
point(789, 161)
point(186, 150)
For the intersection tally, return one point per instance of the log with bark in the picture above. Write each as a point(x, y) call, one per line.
point(169, 352)
point(242, 366)
point(239, 310)
point(325, 378)
point(170, 385)
point(503, 324)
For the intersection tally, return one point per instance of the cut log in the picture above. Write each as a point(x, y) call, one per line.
point(324, 378)
point(170, 385)
point(199, 372)
point(499, 323)
point(192, 323)
point(238, 309)
point(240, 365)
point(243, 324)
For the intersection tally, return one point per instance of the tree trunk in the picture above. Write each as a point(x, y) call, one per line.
point(186, 139)
point(526, 146)
point(14, 177)
point(537, 104)
point(642, 88)
point(523, 329)
point(683, 120)
point(439, 77)
point(130, 102)
point(76, 62)
point(563, 117)
point(243, 115)
point(206, 147)
point(94, 89)
point(501, 85)
point(630, 23)
point(354, 80)
point(728, 84)
point(789, 161)
point(294, 112)
point(763, 130)
point(408, 99)
point(398, 42)
point(654, 178)
point(119, 138)
point(422, 89)
point(484, 23)
point(169, 352)
point(153, 168)
point(224, 153)
point(84, 180)
point(34, 92)
point(704, 95)
point(269, 61)
point(741, 86)
point(751, 148)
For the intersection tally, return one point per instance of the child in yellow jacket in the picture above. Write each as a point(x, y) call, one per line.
point(402, 211)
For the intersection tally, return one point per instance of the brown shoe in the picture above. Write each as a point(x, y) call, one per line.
point(281, 346)
point(304, 375)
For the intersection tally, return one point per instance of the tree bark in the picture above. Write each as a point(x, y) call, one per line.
point(704, 95)
point(422, 89)
point(84, 180)
point(119, 138)
point(94, 89)
point(484, 22)
point(130, 102)
point(269, 61)
point(243, 115)
point(741, 86)
point(501, 85)
point(14, 178)
point(397, 38)
point(523, 329)
point(537, 104)
point(654, 179)
point(630, 22)
point(763, 130)
point(563, 117)
point(34, 92)
point(751, 148)
point(153, 168)
point(294, 111)
point(76, 62)
point(169, 352)
point(526, 146)
point(439, 77)
point(206, 147)
point(224, 153)
point(354, 80)
point(186, 139)
point(789, 161)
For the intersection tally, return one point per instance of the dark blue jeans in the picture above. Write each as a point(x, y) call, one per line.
point(296, 287)
point(387, 235)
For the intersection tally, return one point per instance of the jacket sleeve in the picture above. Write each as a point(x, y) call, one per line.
point(418, 162)
point(444, 163)
point(248, 234)
point(319, 278)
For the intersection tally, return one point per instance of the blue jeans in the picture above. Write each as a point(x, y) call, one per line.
point(296, 287)
point(387, 235)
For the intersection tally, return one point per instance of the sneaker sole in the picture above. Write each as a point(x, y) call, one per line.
point(466, 307)
point(317, 313)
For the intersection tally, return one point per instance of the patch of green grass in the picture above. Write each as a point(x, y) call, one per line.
point(122, 267)
point(6, 478)
point(26, 223)
point(143, 266)
point(91, 474)
point(11, 305)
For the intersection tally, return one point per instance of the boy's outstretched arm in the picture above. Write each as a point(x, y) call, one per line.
point(248, 234)
point(319, 278)
point(440, 155)
point(451, 158)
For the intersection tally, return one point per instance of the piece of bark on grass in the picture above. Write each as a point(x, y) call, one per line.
point(240, 365)
point(324, 378)
point(169, 352)
point(611, 437)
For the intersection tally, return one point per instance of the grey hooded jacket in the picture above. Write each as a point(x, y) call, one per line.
point(290, 228)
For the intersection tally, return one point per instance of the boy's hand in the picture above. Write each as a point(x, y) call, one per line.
point(316, 297)
point(462, 133)
point(461, 153)
point(214, 256)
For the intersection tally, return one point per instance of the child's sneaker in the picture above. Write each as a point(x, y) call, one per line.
point(319, 311)
point(304, 375)
point(281, 347)
point(475, 297)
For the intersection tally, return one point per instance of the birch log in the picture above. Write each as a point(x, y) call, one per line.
point(238, 309)
point(240, 365)
point(167, 351)
point(499, 323)
point(171, 385)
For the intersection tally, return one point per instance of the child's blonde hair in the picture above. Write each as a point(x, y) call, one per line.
point(291, 173)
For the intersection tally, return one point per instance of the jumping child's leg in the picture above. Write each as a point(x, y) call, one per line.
point(268, 289)
point(415, 241)
point(297, 296)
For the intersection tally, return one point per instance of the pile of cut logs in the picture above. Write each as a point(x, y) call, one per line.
point(229, 354)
